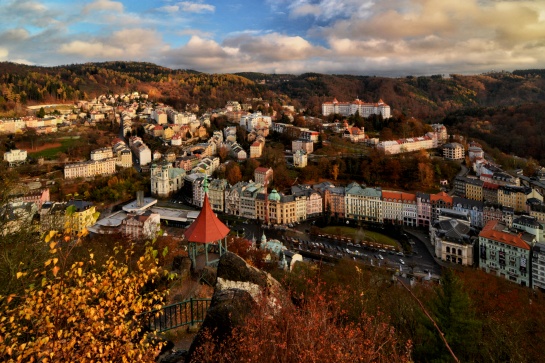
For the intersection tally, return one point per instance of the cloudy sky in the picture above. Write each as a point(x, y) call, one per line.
point(373, 37)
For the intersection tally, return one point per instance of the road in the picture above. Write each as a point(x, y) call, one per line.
point(419, 262)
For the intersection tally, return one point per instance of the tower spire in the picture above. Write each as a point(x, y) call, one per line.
point(205, 184)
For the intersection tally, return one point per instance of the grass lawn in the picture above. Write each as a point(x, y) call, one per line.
point(354, 233)
point(51, 153)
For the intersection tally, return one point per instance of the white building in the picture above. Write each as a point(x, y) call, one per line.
point(300, 159)
point(91, 168)
point(142, 226)
point(453, 151)
point(101, 154)
point(350, 108)
point(140, 150)
point(255, 120)
point(165, 179)
point(15, 156)
point(307, 146)
point(123, 153)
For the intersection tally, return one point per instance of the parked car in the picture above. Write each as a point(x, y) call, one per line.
point(379, 256)
point(401, 261)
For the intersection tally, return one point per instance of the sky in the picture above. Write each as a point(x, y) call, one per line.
point(362, 37)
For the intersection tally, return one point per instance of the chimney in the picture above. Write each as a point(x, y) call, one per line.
point(140, 198)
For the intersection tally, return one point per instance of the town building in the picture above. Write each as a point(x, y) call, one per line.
point(255, 120)
point(363, 204)
point(453, 238)
point(216, 194)
point(15, 156)
point(505, 253)
point(248, 200)
point(538, 266)
point(232, 198)
point(470, 188)
point(262, 174)
point(516, 197)
point(166, 180)
point(307, 146)
point(453, 151)
point(123, 153)
point(141, 226)
point(256, 149)
point(300, 159)
point(473, 207)
point(91, 168)
point(350, 108)
point(80, 215)
point(101, 154)
point(140, 150)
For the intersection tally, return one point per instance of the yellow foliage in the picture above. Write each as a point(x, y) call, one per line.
point(83, 314)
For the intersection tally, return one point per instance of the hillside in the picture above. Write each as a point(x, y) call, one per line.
point(22, 84)
point(492, 106)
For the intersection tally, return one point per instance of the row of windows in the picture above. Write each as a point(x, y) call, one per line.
point(448, 249)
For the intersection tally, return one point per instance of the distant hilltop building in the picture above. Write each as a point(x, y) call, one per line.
point(350, 108)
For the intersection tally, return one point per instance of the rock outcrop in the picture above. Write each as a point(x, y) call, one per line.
point(238, 288)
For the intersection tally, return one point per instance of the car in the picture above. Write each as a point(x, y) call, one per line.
point(401, 261)
point(382, 250)
point(379, 256)
point(400, 253)
point(350, 244)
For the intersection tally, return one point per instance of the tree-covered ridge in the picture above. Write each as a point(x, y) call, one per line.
point(23, 84)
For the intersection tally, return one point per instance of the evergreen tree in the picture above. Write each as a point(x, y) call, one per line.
point(453, 312)
point(41, 113)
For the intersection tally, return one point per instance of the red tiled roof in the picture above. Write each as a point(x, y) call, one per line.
point(262, 169)
point(207, 227)
point(490, 232)
point(441, 196)
point(490, 185)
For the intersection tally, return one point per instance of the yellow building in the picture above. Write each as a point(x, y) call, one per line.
point(80, 215)
point(515, 197)
point(282, 208)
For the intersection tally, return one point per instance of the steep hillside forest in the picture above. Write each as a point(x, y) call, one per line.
point(493, 107)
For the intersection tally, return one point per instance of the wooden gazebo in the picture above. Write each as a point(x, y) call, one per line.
point(207, 230)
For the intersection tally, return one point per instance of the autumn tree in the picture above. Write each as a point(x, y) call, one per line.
point(315, 330)
point(81, 312)
point(335, 171)
point(223, 153)
point(233, 173)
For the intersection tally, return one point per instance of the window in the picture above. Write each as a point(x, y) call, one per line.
point(448, 249)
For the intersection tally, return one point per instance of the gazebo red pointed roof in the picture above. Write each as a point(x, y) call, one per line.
point(207, 227)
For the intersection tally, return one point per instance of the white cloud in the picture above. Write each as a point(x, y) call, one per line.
point(192, 7)
point(261, 53)
point(103, 5)
point(4, 54)
point(126, 44)
point(14, 35)
point(169, 8)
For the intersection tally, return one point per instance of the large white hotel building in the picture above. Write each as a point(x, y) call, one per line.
point(350, 108)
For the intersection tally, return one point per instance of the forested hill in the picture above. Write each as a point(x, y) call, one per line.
point(429, 98)
point(22, 84)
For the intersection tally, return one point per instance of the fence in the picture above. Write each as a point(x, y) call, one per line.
point(187, 312)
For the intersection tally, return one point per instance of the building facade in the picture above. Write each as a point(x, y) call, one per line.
point(505, 253)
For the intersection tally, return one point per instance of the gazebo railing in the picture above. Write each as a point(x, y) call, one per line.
point(187, 312)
